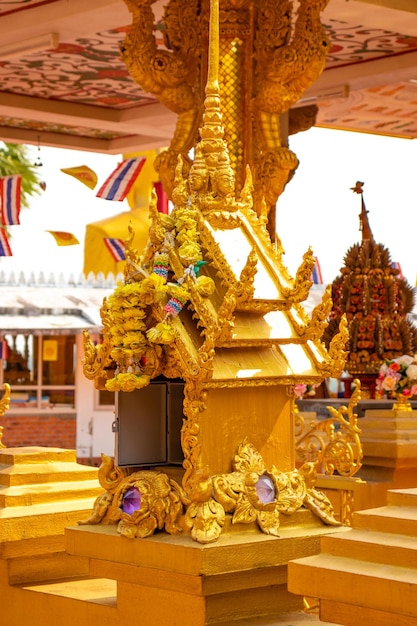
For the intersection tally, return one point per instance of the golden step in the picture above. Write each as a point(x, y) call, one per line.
point(389, 519)
point(95, 590)
point(402, 497)
point(28, 495)
point(42, 520)
point(29, 473)
point(392, 549)
point(351, 615)
point(358, 582)
point(36, 454)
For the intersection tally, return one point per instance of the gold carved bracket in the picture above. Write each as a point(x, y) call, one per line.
point(333, 444)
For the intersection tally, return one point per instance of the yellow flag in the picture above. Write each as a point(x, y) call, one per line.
point(82, 173)
point(63, 238)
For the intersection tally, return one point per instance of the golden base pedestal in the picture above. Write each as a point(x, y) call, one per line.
point(170, 579)
point(54, 573)
point(389, 440)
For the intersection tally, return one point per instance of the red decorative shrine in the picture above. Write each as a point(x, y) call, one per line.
point(376, 301)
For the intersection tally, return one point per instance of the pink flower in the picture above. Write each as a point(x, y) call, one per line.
point(300, 390)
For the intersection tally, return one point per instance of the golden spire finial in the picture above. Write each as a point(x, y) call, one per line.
point(213, 52)
point(363, 216)
point(212, 147)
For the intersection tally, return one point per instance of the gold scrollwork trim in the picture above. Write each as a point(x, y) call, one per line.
point(238, 384)
point(245, 288)
point(319, 318)
point(97, 357)
point(333, 444)
point(334, 364)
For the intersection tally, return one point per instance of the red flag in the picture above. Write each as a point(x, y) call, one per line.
point(10, 187)
point(4, 244)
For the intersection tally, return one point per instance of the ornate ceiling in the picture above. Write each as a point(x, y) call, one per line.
point(80, 95)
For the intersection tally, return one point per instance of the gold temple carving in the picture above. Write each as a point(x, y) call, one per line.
point(209, 299)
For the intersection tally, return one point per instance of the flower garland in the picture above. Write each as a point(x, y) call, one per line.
point(398, 376)
point(129, 334)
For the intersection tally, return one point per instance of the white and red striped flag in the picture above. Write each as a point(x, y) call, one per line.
point(316, 275)
point(396, 266)
point(5, 249)
point(116, 248)
point(10, 187)
point(120, 181)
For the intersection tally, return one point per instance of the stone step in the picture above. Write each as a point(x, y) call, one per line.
point(368, 574)
point(383, 548)
point(42, 520)
point(402, 497)
point(50, 566)
point(403, 420)
point(28, 495)
point(352, 615)
point(29, 473)
point(384, 588)
point(388, 519)
point(36, 454)
point(94, 590)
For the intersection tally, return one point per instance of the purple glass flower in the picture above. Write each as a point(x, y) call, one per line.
point(131, 500)
point(265, 489)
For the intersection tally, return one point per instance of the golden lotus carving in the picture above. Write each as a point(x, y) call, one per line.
point(145, 501)
point(158, 505)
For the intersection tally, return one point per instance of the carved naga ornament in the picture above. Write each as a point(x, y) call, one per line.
point(271, 51)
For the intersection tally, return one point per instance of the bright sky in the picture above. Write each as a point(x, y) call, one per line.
point(65, 205)
point(317, 209)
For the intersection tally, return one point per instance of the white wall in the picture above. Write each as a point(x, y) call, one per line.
point(94, 425)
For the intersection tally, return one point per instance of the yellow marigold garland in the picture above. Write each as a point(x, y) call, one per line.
point(127, 382)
